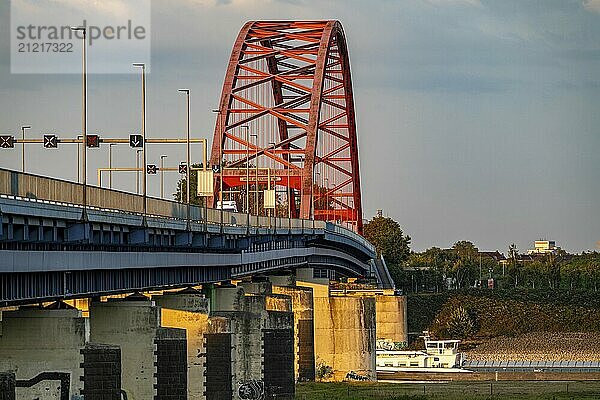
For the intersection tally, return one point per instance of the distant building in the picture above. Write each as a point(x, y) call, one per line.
point(543, 247)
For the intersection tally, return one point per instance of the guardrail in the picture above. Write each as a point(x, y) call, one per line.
point(22, 185)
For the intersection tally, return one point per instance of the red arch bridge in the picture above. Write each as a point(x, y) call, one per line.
point(286, 121)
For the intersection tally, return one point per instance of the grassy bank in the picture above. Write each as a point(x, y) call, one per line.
point(502, 390)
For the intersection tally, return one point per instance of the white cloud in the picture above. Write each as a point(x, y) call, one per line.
point(592, 5)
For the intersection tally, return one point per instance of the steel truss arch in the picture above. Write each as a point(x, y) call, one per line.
point(286, 118)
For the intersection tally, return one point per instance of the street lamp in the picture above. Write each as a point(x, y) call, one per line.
point(137, 171)
point(272, 144)
point(83, 114)
point(110, 146)
point(23, 146)
point(162, 176)
point(143, 67)
point(221, 131)
point(256, 167)
point(247, 170)
point(312, 191)
point(189, 165)
point(326, 184)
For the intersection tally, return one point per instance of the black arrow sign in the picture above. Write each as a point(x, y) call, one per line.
point(136, 141)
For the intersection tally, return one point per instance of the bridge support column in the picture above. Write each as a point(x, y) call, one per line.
point(345, 331)
point(392, 325)
point(304, 330)
point(259, 332)
point(36, 341)
point(188, 310)
point(153, 358)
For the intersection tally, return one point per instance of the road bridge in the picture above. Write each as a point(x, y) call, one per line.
point(106, 294)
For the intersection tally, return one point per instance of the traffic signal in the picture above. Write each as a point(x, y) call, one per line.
point(93, 141)
point(7, 141)
point(182, 169)
point(151, 169)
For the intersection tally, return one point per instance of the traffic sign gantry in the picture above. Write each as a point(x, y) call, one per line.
point(7, 141)
point(136, 140)
point(151, 169)
point(182, 168)
point(50, 141)
point(93, 141)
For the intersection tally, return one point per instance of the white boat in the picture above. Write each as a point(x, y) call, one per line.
point(439, 356)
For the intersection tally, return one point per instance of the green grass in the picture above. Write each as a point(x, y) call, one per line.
point(501, 390)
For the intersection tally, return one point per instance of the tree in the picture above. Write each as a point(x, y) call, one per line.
point(465, 268)
point(390, 242)
point(181, 193)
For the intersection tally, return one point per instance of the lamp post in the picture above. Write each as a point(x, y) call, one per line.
point(110, 146)
point(137, 170)
point(272, 144)
point(84, 114)
point(247, 170)
point(318, 180)
point(23, 146)
point(256, 170)
point(326, 184)
point(221, 169)
point(162, 176)
point(189, 165)
point(143, 67)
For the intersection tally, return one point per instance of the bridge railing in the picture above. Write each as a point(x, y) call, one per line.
point(35, 187)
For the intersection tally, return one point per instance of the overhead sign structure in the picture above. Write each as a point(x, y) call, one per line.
point(182, 168)
point(269, 199)
point(136, 140)
point(7, 141)
point(205, 182)
point(151, 169)
point(93, 141)
point(50, 141)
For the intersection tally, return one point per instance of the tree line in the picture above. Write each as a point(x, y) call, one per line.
point(464, 266)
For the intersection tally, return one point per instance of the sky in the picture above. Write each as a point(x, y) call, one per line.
point(477, 120)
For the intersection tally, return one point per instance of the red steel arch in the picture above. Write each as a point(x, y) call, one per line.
point(287, 111)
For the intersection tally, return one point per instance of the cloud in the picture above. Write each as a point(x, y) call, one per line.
point(592, 5)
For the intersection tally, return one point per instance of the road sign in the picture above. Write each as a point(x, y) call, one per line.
point(151, 169)
point(93, 141)
point(269, 199)
point(50, 141)
point(7, 141)
point(205, 182)
point(136, 141)
point(216, 169)
point(182, 168)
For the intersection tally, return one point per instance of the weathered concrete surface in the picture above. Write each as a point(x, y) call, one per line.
point(132, 325)
point(345, 335)
point(38, 340)
point(189, 312)
point(261, 330)
point(304, 331)
point(392, 324)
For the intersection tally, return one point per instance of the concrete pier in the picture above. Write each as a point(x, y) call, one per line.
point(259, 333)
point(152, 358)
point(188, 310)
point(38, 341)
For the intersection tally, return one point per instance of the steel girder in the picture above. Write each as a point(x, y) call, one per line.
point(286, 118)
